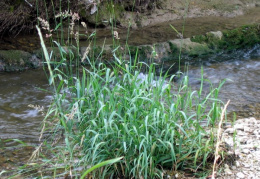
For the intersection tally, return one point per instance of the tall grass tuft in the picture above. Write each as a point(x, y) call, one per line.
point(146, 122)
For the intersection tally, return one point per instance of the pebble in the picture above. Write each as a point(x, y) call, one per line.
point(246, 148)
point(240, 175)
point(248, 129)
point(237, 164)
point(245, 151)
point(227, 170)
point(239, 126)
point(233, 167)
point(230, 130)
point(247, 165)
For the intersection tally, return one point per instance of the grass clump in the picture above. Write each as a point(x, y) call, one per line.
point(140, 124)
point(151, 122)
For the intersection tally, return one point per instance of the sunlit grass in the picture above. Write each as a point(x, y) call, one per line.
point(123, 122)
point(117, 111)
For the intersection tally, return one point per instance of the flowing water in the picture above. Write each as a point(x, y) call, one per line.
point(20, 90)
point(241, 71)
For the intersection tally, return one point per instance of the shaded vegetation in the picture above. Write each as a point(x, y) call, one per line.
point(21, 16)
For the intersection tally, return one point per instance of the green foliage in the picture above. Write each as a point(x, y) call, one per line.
point(111, 111)
point(245, 36)
point(107, 162)
point(242, 37)
point(199, 39)
point(115, 111)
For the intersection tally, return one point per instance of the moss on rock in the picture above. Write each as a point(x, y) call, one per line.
point(242, 37)
point(190, 48)
point(105, 12)
point(17, 60)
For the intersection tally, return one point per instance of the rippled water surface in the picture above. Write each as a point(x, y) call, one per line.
point(242, 84)
point(17, 92)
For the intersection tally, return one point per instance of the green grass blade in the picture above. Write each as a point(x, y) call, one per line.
point(107, 162)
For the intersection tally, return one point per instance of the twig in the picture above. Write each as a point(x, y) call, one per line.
point(219, 139)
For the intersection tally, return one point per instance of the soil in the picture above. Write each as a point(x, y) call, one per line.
point(168, 10)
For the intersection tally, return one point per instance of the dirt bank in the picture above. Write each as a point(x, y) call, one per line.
point(149, 12)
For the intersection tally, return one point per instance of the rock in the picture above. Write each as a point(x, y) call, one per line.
point(241, 133)
point(237, 164)
point(17, 60)
point(237, 152)
point(230, 130)
point(192, 48)
point(217, 35)
point(257, 153)
point(229, 142)
point(239, 126)
point(243, 139)
point(227, 170)
point(227, 125)
point(248, 129)
point(256, 132)
point(246, 165)
point(233, 167)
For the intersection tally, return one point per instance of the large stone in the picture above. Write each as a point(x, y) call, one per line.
point(17, 60)
point(218, 35)
point(191, 48)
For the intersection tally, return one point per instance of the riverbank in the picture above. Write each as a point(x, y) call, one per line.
point(201, 33)
point(198, 46)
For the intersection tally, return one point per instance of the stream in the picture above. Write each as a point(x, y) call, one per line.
point(19, 91)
